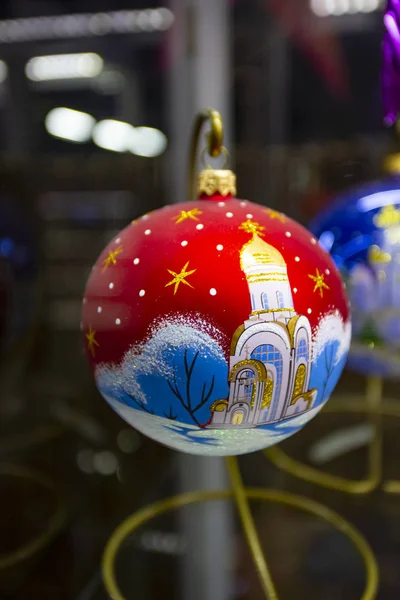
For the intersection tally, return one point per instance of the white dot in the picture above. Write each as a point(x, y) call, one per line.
point(297, 259)
point(213, 292)
point(295, 290)
point(117, 241)
point(229, 215)
point(118, 321)
point(111, 286)
point(313, 241)
point(84, 300)
point(184, 243)
point(309, 311)
point(249, 216)
point(243, 204)
point(99, 309)
point(142, 293)
point(220, 247)
point(136, 261)
point(327, 271)
point(147, 232)
point(145, 217)
point(200, 226)
point(221, 204)
point(288, 234)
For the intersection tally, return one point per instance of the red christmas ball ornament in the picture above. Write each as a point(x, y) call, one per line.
point(217, 326)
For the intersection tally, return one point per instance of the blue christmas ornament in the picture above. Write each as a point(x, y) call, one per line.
point(361, 230)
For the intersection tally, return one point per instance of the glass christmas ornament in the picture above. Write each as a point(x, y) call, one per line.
point(216, 326)
point(361, 229)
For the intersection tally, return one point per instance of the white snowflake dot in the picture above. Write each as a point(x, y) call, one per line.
point(297, 259)
point(288, 234)
point(99, 309)
point(147, 232)
point(309, 311)
point(213, 292)
point(136, 261)
point(145, 217)
point(184, 243)
point(200, 226)
point(243, 204)
point(118, 321)
point(327, 271)
point(295, 290)
point(111, 286)
point(313, 241)
point(220, 247)
point(229, 215)
point(84, 300)
point(249, 216)
point(142, 293)
point(221, 204)
point(117, 241)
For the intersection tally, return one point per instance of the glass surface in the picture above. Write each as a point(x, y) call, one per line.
point(97, 98)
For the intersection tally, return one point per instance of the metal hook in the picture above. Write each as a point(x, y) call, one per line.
point(215, 138)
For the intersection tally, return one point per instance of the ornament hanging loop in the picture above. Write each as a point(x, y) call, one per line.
point(211, 181)
point(214, 137)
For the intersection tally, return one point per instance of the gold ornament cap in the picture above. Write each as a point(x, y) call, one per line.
point(213, 182)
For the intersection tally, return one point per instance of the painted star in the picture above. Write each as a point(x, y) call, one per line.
point(112, 257)
point(320, 284)
point(252, 227)
point(274, 214)
point(91, 341)
point(179, 278)
point(187, 214)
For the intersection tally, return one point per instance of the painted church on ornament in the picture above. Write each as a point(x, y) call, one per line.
point(271, 353)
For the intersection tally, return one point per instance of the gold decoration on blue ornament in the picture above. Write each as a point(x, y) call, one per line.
point(388, 216)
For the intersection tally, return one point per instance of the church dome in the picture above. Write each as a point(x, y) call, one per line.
point(258, 253)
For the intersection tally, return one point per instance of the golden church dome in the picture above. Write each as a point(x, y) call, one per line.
point(258, 253)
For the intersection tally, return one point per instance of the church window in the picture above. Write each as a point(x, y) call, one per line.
point(264, 300)
point(253, 302)
point(279, 297)
point(270, 355)
point(302, 349)
point(246, 383)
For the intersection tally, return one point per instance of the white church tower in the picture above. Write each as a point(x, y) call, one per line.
point(270, 363)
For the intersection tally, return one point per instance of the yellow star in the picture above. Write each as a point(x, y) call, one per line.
point(274, 214)
point(91, 340)
point(180, 277)
point(112, 257)
point(252, 227)
point(187, 214)
point(320, 284)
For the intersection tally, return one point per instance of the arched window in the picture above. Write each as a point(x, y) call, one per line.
point(269, 355)
point(279, 297)
point(264, 301)
point(253, 302)
point(246, 383)
point(302, 349)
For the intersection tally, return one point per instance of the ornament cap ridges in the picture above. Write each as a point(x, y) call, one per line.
point(216, 181)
